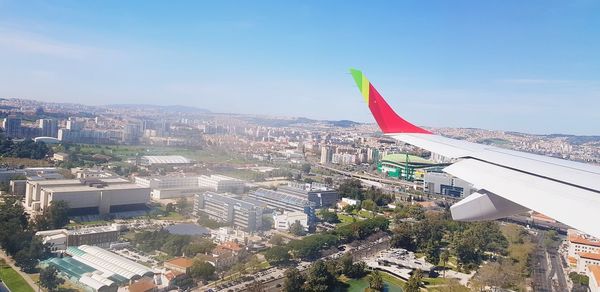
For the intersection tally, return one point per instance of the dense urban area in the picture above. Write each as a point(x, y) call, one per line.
point(155, 198)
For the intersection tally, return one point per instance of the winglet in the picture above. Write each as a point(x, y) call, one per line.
point(389, 122)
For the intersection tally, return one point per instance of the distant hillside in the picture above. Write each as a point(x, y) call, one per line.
point(165, 108)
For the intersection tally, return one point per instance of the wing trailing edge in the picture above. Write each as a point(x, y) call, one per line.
point(389, 122)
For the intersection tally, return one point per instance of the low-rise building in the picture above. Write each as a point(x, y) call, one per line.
point(60, 156)
point(60, 239)
point(164, 161)
point(285, 220)
point(181, 265)
point(444, 184)
point(580, 243)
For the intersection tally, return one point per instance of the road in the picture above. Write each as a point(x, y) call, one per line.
point(548, 272)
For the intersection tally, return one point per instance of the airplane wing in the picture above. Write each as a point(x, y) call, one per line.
point(509, 182)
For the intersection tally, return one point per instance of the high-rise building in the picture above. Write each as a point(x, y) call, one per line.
point(241, 214)
point(49, 127)
point(73, 125)
point(12, 126)
point(326, 154)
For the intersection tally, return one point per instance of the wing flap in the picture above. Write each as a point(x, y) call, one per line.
point(565, 203)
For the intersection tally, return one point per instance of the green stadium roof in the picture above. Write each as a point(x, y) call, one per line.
point(400, 158)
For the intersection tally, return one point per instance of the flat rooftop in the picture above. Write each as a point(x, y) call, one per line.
point(86, 188)
point(116, 180)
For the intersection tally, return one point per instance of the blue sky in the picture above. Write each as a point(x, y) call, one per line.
point(529, 66)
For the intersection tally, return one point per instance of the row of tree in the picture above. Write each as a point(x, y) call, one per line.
point(23, 149)
point(323, 275)
point(17, 231)
point(310, 247)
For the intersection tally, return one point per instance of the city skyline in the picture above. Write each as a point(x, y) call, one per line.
point(526, 67)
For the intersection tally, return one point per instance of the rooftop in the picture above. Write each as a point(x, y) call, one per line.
point(400, 158)
point(584, 241)
point(84, 188)
point(166, 159)
point(595, 272)
point(589, 255)
point(181, 262)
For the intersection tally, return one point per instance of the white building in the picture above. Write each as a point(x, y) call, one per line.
point(285, 220)
point(95, 196)
point(444, 184)
point(222, 184)
point(164, 160)
point(593, 272)
point(165, 187)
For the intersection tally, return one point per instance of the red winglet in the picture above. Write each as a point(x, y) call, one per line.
point(389, 122)
point(386, 117)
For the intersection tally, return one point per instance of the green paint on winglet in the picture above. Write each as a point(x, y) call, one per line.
point(358, 77)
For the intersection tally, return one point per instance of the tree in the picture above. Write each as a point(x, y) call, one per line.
point(277, 255)
point(175, 244)
point(328, 181)
point(276, 239)
point(170, 207)
point(501, 274)
point(368, 205)
point(320, 279)
point(376, 281)
point(413, 283)
point(202, 270)
point(432, 252)
point(203, 245)
point(58, 214)
point(403, 237)
point(49, 278)
point(306, 168)
point(297, 229)
point(329, 217)
point(444, 257)
point(182, 205)
point(351, 188)
point(293, 280)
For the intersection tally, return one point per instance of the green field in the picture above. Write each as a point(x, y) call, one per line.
point(12, 279)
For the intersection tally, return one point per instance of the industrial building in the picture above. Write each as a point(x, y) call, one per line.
point(222, 184)
point(241, 214)
point(164, 161)
point(60, 239)
point(98, 269)
point(444, 184)
point(317, 193)
point(165, 187)
point(284, 202)
point(407, 167)
point(87, 196)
